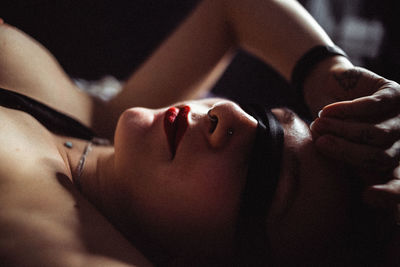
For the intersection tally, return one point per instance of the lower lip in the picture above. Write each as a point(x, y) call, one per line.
point(175, 125)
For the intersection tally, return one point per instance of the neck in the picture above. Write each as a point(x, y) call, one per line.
point(97, 168)
point(95, 180)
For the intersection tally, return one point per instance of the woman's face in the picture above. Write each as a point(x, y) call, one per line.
point(309, 211)
point(183, 173)
point(184, 167)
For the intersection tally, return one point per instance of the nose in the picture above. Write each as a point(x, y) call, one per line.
point(228, 122)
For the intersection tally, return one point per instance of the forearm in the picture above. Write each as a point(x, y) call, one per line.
point(327, 83)
point(195, 52)
point(278, 31)
point(281, 37)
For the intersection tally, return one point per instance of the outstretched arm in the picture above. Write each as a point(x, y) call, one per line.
point(277, 31)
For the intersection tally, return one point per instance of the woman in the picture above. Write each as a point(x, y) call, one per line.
point(150, 207)
point(179, 201)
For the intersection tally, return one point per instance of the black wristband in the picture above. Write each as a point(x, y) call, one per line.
point(311, 58)
point(308, 61)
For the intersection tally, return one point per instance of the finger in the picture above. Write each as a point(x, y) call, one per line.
point(383, 134)
point(1, 21)
point(384, 103)
point(384, 195)
point(359, 155)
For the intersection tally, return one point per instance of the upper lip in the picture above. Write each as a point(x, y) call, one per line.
point(175, 125)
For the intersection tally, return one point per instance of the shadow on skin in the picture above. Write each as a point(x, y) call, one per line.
point(109, 243)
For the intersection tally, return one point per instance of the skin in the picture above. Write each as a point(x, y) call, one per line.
point(168, 202)
point(210, 192)
point(362, 129)
point(193, 196)
point(309, 210)
point(45, 221)
point(223, 27)
point(18, 71)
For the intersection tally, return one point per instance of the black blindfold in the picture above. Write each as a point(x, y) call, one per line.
point(260, 186)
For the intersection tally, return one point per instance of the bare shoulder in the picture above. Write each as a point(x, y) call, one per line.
point(41, 211)
point(29, 68)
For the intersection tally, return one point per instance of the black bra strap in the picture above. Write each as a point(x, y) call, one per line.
point(53, 120)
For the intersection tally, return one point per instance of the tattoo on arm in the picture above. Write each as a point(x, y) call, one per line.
point(348, 80)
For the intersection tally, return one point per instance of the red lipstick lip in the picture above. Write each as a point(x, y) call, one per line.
point(175, 125)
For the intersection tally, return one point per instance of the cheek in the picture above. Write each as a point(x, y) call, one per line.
point(317, 217)
point(216, 192)
point(189, 210)
point(195, 195)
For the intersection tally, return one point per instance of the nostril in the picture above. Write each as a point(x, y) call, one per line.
point(213, 120)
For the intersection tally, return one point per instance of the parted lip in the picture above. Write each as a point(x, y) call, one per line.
point(175, 125)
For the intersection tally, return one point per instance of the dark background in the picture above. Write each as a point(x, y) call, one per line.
point(92, 39)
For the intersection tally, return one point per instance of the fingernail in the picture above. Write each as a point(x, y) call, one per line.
point(312, 125)
point(318, 126)
point(319, 113)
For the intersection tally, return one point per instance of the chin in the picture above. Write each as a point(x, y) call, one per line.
point(135, 121)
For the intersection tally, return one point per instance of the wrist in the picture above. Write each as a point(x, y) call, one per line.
point(320, 86)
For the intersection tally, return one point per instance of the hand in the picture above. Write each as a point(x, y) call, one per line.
point(365, 132)
point(336, 79)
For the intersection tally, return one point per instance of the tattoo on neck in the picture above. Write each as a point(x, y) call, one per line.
point(348, 80)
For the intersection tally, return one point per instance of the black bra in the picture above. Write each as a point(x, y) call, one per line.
point(260, 187)
point(53, 120)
